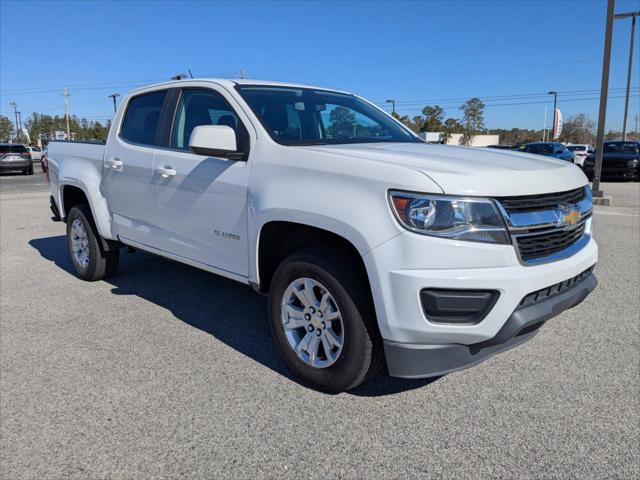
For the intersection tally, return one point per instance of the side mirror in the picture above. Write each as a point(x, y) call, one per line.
point(214, 141)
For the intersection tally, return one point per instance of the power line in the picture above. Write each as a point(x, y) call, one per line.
point(414, 55)
point(489, 105)
point(464, 72)
point(564, 93)
point(100, 85)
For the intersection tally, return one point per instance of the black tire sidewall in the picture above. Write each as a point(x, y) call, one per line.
point(355, 360)
point(82, 213)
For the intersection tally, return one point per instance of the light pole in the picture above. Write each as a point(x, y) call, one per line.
point(555, 102)
point(114, 95)
point(393, 105)
point(604, 89)
point(15, 111)
point(633, 16)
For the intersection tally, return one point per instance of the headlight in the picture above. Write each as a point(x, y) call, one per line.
point(456, 218)
point(632, 163)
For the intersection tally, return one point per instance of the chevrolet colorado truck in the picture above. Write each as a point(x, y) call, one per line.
point(375, 248)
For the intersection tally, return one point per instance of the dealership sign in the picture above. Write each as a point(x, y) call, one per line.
point(557, 128)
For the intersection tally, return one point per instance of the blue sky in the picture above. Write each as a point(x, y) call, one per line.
point(417, 53)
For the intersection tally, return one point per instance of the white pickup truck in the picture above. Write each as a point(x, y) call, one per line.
point(374, 248)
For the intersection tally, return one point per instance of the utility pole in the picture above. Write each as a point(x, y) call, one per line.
point(393, 105)
point(66, 111)
point(544, 125)
point(633, 16)
point(15, 111)
point(604, 89)
point(637, 138)
point(19, 125)
point(114, 95)
point(555, 102)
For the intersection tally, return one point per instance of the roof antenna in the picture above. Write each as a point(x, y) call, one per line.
point(180, 76)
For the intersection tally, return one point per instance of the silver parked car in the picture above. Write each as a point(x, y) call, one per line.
point(14, 156)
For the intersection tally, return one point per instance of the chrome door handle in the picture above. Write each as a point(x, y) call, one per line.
point(166, 171)
point(114, 163)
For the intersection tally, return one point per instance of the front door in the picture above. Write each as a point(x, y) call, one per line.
point(128, 169)
point(201, 202)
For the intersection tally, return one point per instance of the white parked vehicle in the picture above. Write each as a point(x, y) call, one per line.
point(373, 246)
point(35, 152)
point(581, 152)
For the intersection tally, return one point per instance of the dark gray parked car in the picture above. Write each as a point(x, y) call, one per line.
point(548, 149)
point(14, 156)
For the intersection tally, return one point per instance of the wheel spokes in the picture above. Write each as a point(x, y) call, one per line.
point(312, 348)
point(295, 317)
point(312, 322)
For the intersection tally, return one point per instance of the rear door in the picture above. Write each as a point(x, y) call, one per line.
point(201, 205)
point(128, 168)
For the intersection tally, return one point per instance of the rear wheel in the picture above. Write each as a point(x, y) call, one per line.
point(89, 259)
point(323, 322)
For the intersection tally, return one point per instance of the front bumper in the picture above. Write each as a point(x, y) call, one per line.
point(416, 345)
point(616, 172)
point(415, 361)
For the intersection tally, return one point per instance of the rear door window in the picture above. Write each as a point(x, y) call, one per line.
point(140, 123)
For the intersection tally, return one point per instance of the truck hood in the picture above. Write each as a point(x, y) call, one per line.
point(471, 171)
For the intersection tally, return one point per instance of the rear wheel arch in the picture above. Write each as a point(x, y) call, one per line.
point(73, 195)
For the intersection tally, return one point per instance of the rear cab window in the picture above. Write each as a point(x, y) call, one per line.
point(141, 120)
point(12, 149)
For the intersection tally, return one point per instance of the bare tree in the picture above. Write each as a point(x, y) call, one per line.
point(579, 129)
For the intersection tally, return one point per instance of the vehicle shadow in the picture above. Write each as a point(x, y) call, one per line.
point(231, 312)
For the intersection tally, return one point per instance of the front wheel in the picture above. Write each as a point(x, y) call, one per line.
point(90, 261)
point(323, 322)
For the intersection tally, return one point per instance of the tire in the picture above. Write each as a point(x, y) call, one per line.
point(361, 353)
point(95, 263)
point(30, 171)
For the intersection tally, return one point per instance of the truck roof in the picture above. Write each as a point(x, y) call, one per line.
point(230, 83)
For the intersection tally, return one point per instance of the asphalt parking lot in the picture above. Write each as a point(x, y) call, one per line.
point(165, 371)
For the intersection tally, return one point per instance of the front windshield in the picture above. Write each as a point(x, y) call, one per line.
point(577, 148)
point(621, 147)
point(303, 116)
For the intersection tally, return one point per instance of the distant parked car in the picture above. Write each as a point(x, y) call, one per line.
point(548, 149)
point(581, 152)
point(36, 153)
point(14, 156)
point(500, 147)
point(620, 160)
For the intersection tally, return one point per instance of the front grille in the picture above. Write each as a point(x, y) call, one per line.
point(547, 243)
point(541, 295)
point(546, 201)
point(615, 163)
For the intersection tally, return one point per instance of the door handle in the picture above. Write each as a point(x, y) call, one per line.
point(166, 171)
point(114, 163)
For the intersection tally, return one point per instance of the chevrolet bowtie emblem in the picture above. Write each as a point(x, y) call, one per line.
point(571, 218)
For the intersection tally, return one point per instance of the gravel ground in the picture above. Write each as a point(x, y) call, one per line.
point(167, 372)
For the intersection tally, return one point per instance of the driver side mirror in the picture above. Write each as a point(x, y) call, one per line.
point(214, 141)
